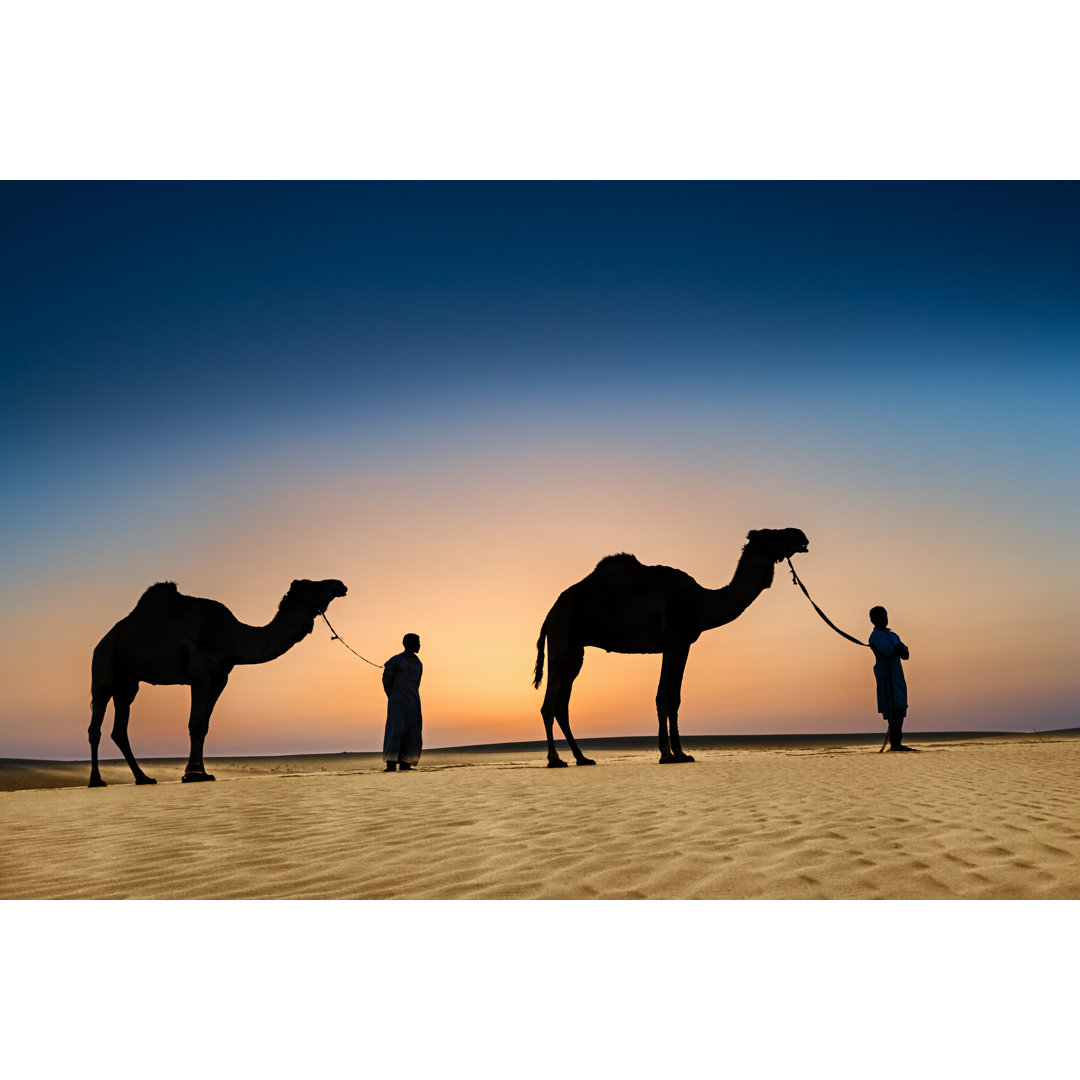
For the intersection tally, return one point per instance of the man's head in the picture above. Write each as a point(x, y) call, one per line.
point(879, 617)
point(411, 643)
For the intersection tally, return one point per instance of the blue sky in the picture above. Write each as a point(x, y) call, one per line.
point(227, 302)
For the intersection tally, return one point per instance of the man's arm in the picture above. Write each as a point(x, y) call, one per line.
point(886, 643)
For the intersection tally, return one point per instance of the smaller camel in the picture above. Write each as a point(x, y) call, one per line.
point(625, 607)
point(171, 639)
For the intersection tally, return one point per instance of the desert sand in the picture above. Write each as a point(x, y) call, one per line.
point(968, 817)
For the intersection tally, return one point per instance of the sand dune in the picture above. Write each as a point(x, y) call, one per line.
point(965, 818)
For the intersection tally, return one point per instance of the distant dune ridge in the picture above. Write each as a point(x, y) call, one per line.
point(790, 817)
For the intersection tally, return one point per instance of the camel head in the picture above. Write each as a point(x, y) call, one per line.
point(314, 596)
point(778, 544)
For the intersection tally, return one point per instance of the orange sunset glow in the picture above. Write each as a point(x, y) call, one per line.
point(458, 555)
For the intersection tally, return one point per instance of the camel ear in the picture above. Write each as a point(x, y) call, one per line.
point(753, 534)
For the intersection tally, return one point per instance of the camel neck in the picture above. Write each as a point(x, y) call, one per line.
point(752, 577)
point(261, 644)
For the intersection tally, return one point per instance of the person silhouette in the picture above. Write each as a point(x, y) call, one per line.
point(403, 738)
point(889, 651)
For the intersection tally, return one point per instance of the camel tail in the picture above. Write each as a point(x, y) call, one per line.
point(538, 674)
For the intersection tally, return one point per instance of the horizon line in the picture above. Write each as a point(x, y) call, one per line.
point(607, 742)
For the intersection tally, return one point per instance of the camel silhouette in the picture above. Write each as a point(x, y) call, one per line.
point(625, 607)
point(170, 638)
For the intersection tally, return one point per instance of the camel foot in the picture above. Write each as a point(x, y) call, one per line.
point(585, 761)
point(195, 778)
point(556, 763)
point(144, 779)
point(96, 781)
point(680, 758)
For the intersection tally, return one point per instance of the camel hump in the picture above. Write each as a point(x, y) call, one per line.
point(624, 565)
point(622, 561)
point(160, 593)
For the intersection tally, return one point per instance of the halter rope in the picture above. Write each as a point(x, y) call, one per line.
point(337, 637)
point(795, 578)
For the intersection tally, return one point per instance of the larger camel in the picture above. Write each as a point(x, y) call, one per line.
point(625, 607)
point(170, 638)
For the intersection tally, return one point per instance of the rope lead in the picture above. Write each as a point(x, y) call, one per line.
point(336, 637)
point(795, 578)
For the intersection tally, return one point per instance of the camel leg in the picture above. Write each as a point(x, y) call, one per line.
point(99, 703)
point(571, 670)
point(566, 666)
point(579, 757)
point(204, 695)
point(547, 710)
point(668, 699)
point(554, 761)
point(663, 740)
point(123, 696)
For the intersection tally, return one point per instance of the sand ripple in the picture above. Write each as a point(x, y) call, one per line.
point(967, 820)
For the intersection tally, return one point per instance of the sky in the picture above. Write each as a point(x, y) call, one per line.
point(458, 397)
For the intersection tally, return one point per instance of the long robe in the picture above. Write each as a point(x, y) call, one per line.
point(889, 650)
point(403, 738)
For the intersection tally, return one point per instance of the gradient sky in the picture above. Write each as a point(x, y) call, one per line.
point(458, 397)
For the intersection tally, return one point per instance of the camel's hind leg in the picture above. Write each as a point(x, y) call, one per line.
point(563, 668)
point(99, 702)
point(668, 699)
point(123, 696)
point(547, 713)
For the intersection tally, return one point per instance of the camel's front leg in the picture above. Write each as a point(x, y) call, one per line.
point(204, 695)
point(668, 699)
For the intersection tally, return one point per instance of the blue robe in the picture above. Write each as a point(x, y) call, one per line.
point(889, 650)
point(403, 739)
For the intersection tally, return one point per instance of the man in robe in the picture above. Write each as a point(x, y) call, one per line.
point(403, 738)
point(889, 650)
